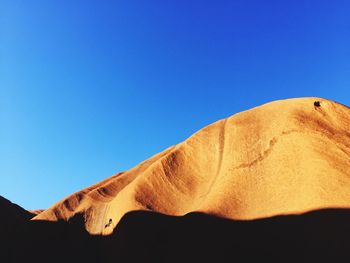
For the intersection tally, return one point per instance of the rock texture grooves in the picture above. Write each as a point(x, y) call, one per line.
point(285, 157)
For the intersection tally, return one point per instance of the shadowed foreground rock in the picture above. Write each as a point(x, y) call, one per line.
point(12, 217)
point(319, 236)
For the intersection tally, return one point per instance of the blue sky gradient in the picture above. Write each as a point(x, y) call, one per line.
point(90, 88)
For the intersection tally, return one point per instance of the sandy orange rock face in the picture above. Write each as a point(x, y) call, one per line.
point(284, 157)
point(36, 211)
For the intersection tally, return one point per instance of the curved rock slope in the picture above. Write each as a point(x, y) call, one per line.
point(284, 157)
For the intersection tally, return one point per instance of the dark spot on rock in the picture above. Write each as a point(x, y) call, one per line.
point(317, 104)
point(109, 223)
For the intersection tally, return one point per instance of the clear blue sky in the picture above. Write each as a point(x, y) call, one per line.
point(90, 88)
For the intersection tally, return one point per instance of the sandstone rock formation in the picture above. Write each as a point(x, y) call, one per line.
point(285, 157)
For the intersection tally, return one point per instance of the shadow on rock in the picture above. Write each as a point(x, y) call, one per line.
point(319, 236)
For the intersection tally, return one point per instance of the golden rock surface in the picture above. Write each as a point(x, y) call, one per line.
point(285, 157)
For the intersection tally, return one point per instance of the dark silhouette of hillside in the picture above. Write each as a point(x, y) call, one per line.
point(11, 212)
point(319, 236)
point(12, 217)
